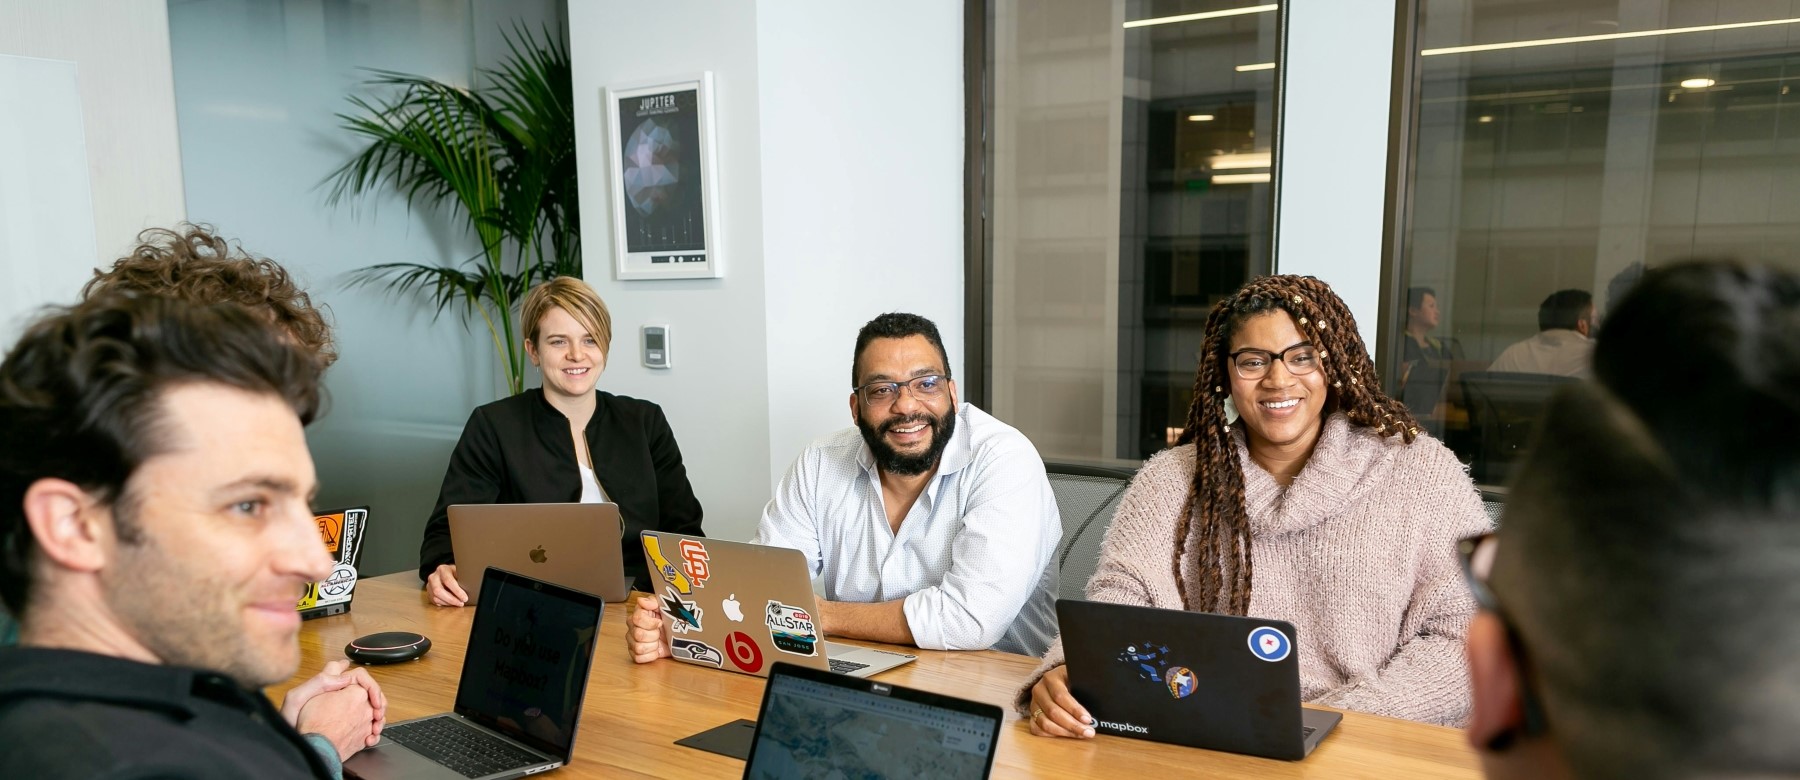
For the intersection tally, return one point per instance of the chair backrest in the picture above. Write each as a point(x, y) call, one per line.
point(1504, 410)
point(1086, 497)
point(9, 629)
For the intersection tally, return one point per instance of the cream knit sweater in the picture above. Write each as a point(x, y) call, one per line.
point(1359, 553)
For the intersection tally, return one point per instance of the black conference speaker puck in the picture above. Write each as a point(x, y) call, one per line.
point(387, 647)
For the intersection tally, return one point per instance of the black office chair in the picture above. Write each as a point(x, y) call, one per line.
point(1086, 497)
point(1504, 410)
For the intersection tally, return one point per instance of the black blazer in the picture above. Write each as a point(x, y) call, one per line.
point(518, 451)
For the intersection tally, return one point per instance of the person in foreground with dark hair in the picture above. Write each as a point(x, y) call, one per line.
point(1563, 346)
point(1640, 610)
point(931, 522)
point(1344, 515)
point(154, 530)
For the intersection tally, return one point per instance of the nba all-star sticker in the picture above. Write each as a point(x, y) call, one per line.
point(686, 614)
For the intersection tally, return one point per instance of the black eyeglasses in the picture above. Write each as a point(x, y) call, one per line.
point(924, 388)
point(1302, 358)
point(1477, 554)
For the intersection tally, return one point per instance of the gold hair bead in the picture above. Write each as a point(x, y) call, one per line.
point(1355, 381)
point(1381, 429)
point(1296, 299)
point(1218, 389)
point(1302, 320)
point(1415, 431)
point(1337, 384)
point(1324, 354)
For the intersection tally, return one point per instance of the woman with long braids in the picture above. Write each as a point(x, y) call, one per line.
point(1299, 492)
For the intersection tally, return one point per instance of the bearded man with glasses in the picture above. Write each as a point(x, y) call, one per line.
point(1640, 610)
point(930, 522)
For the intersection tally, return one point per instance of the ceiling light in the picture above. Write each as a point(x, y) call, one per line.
point(1229, 161)
point(1604, 37)
point(1255, 66)
point(1697, 83)
point(1200, 117)
point(1484, 119)
point(1255, 9)
point(1241, 178)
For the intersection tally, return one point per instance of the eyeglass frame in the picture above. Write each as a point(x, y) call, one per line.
point(1231, 358)
point(1529, 702)
point(911, 386)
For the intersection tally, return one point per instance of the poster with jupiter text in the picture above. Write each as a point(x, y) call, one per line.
point(664, 181)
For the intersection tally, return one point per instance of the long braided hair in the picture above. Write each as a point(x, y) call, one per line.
point(1214, 512)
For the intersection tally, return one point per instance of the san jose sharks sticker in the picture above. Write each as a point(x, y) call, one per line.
point(1269, 644)
point(695, 650)
point(684, 615)
point(791, 630)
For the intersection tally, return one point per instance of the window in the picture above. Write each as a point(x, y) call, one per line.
point(1128, 172)
point(1558, 150)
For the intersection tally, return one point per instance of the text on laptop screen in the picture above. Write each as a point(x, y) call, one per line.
point(815, 730)
point(526, 668)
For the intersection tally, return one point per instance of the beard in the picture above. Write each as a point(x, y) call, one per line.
point(895, 462)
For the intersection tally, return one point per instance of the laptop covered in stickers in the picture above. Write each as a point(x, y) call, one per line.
point(1217, 682)
point(342, 530)
point(741, 607)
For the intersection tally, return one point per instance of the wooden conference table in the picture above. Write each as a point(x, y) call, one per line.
point(634, 714)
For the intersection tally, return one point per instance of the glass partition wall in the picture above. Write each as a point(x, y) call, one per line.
point(1129, 188)
point(1558, 150)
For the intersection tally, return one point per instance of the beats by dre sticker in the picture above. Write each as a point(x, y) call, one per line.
point(743, 652)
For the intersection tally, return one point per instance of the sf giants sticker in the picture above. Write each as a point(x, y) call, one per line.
point(670, 573)
point(694, 559)
point(791, 629)
point(743, 652)
point(695, 650)
point(1269, 643)
point(684, 615)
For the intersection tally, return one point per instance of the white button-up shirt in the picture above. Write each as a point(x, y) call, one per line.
point(974, 557)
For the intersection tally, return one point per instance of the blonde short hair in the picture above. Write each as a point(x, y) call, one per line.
point(575, 297)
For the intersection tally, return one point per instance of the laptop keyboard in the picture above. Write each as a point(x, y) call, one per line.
point(845, 667)
point(459, 746)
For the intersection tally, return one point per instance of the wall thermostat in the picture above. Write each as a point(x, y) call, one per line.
point(656, 346)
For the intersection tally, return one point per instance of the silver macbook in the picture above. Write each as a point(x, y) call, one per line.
point(531, 646)
point(573, 545)
point(741, 607)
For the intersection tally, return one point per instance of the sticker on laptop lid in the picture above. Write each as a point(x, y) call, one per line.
point(684, 615)
point(1180, 680)
point(1269, 644)
point(743, 652)
point(695, 561)
point(337, 586)
point(695, 650)
point(791, 629)
point(669, 572)
point(1149, 659)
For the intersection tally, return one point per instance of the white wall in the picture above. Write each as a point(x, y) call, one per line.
point(862, 193)
point(126, 117)
point(46, 205)
point(1332, 163)
point(840, 131)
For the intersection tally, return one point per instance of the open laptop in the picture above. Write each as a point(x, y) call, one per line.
point(574, 545)
point(741, 607)
point(342, 530)
point(523, 679)
point(819, 724)
point(1190, 678)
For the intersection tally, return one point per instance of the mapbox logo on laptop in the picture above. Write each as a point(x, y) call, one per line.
point(1128, 728)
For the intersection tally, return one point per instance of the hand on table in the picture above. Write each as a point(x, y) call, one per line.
point(1054, 711)
point(645, 631)
point(346, 706)
point(444, 590)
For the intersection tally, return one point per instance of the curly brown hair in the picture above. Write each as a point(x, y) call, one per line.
point(193, 264)
point(1214, 512)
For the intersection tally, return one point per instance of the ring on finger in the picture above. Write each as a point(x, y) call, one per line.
point(1036, 714)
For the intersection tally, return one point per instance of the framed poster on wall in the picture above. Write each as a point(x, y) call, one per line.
point(664, 179)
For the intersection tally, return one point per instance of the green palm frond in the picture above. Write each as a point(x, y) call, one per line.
point(503, 158)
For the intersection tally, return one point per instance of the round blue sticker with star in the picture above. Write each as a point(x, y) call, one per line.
point(1269, 644)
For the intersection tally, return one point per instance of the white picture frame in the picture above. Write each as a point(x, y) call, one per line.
point(663, 173)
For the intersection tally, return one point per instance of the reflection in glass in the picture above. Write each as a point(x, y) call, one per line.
point(1559, 150)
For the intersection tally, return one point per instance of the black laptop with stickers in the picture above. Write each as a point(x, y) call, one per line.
point(1190, 678)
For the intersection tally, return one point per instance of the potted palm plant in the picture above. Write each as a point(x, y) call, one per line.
point(501, 156)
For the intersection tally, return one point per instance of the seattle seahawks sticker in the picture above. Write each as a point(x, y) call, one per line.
point(1269, 643)
point(791, 629)
point(695, 650)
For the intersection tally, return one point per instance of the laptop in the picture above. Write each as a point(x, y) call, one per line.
point(1189, 678)
point(342, 530)
point(819, 724)
point(574, 545)
point(741, 607)
point(523, 679)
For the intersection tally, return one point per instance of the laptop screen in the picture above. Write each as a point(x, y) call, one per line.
point(526, 670)
point(811, 728)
